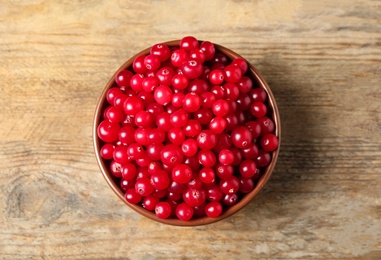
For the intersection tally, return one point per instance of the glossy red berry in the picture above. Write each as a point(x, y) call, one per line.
point(133, 105)
point(230, 185)
point(189, 147)
point(162, 51)
point(182, 173)
point(172, 155)
point(206, 140)
point(247, 168)
point(107, 151)
point(178, 57)
point(207, 158)
point(189, 43)
point(213, 209)
point(207, 175)
point(163, 94)
point(184, 212)
point(226, 157)
point(163, 210)
point(144, 187)
point(241, 137)
point(132, 196)
point(123, 78)
point(208, 48)
point(269, 142)
point(191, 102)
point(258, 109)
point(108, 131)
point(160, 180)
point(220, 108)
point(217, 125)
point(191, 68)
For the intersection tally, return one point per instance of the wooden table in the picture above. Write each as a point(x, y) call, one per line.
point(321, 58)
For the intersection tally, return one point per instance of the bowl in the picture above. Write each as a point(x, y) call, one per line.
point(114, 183)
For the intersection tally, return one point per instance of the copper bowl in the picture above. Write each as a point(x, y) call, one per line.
point(258, 81)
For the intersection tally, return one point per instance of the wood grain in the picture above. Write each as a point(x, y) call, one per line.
point(322, 60)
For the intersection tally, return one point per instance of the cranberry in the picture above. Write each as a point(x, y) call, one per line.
point(189, 147)
point(136, 82)
point(230, 199)
point(203, 116)
point(217, 125)
point(207, 175)
point(194, 197)
point(224, 171)
point(213, 209)
point(231, 91)
point(207, 99)
point(163, 94)
point(266, 124)
point(241, 137)
point(247, 168)
point(178, 57)
point(263, 159)
point(129, 171)
point(197, 55)
point(206, 158)
point(172, 155)
point(258, 109)
point(163, 210)
point(258, 95)
point(192, 128)
point(269, 142)
point(220, 108)
point(152, 62)
point(245, 84)
point(176, 136)
point(162, 51)
point(154, 151)
point(208, 49)
point(191, 68)
point(150, 202)
point(144, 187)
point(214, 193)
point(107, 151)
point(216, 77)
point(165, 75)
point(191, 102)
point(108, 131)
point(132, 196)
point(206, 140)
point(179, 118)
point(143, 119)
point(120, 154)
point(184, 211)
point(116, 169)
point(189, 43)
point(226, 157)
point(246, 185)
point(138, 65)
point(179, 82)
point(177, 99)
point(133, 105)
point(160, 180)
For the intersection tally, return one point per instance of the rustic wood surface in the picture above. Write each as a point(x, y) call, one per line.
point(321, 58)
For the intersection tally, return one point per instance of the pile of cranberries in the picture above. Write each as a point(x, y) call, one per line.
point(186, 131)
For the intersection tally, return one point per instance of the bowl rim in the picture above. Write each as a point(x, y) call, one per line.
point(254, 75)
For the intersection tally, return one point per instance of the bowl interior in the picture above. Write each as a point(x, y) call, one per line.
point(113, 182)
